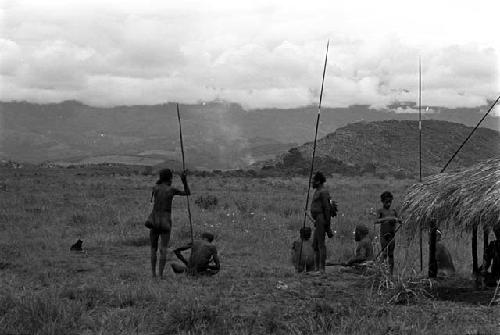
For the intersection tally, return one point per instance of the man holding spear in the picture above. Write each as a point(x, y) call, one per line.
point(160, 220)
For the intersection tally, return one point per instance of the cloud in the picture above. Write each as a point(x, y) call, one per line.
point(260, 54)
point(10, 57)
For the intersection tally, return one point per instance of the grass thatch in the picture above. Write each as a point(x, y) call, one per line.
point(458, 200)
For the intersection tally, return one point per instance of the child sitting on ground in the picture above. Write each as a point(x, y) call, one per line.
point(306, 261)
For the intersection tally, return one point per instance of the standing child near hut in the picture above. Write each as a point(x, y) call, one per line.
point(387, 218)
point(160, 220)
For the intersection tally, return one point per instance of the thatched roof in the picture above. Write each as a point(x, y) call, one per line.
point(458, 200)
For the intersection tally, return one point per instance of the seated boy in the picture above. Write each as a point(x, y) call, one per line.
point(203, 259)
point(306, 262)
point(364, 249)
point(443, 258)
point(491, 258)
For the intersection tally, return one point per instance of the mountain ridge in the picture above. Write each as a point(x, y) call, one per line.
point(217, 135)
point(392, 146)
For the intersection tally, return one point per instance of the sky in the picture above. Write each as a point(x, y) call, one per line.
point(256, 53)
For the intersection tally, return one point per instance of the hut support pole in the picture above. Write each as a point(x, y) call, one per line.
point(486, 236)
point(432, 251)
point(474, 250)
point(421, 251)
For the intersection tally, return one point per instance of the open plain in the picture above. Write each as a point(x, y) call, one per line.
point(107, 289)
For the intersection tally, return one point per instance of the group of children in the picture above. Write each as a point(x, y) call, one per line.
point(307, 255)
point(310, 256)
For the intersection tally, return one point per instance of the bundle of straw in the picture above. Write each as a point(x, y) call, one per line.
point(458, 201)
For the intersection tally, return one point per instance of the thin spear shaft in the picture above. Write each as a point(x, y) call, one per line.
point(184, 169)
point(314, 145)
point(316, 135)
point(420, 119)
point(472, 132)
point(420, 148)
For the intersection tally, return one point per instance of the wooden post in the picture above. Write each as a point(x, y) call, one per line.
point(474, 250)
point(486, 237)
point(432, 251)
point(421, 251)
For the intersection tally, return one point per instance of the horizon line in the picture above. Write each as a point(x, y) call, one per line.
point(387, 107)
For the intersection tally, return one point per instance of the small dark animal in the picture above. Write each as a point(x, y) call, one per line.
point(77, 246)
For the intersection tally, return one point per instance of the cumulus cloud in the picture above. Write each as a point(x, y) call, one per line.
point(259, 53)
point(10, 57)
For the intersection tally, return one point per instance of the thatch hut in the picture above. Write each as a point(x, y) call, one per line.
point(462, 201)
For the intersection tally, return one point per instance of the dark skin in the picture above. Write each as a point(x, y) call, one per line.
point(214, 261)
point(320, 201)
point(318, 185)
point(164, 238)
point(386, 213)
point(489, 257)
point(443, 258)
point(358, 236)
point(184, 182)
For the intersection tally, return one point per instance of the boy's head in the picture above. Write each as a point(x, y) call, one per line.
point(165, 176)
point(360, 232)
point(305, 233)
point(207, 236)
point(386, 199)
point(318, 179)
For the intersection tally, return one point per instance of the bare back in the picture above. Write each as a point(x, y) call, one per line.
point(202, 253)
point(163, 195)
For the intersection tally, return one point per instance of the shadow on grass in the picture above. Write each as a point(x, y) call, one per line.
point(467, 295)
point(463, 291)
point(141, 241)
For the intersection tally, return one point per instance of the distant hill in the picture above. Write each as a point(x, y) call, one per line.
point(392, 146)
point(217, 135)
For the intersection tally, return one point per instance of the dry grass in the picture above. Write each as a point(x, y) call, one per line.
point(458, 201)
point(45, 289)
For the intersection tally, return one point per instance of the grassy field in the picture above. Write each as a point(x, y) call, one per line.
point(45, 289)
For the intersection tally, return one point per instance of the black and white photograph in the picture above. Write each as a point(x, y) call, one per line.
point(249, 167)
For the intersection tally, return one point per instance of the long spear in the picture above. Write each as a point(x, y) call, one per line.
point(184, 169)
point(472, 132)
point(314, 145)
point(420, 147)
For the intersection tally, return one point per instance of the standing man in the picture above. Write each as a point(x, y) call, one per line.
point(320, 212)
point(160, 220)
